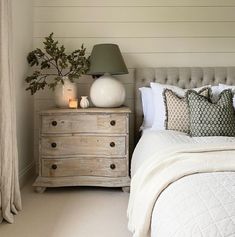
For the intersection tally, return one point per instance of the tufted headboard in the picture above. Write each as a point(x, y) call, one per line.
point(187, 77)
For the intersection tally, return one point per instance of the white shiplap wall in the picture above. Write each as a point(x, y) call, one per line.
point(150, 33)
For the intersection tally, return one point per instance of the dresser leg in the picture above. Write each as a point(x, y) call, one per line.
point(126, 189)
point(39, 189)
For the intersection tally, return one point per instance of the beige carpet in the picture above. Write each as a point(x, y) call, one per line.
point(70, 212)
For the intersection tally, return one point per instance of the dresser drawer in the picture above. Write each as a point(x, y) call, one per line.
point(88, 166)
point(83, 145)
point(85, 123)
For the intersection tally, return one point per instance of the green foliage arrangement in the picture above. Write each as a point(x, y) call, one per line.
point(71, 66)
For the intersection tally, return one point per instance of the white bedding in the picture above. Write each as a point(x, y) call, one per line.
point(152, 141)
point(196, 205)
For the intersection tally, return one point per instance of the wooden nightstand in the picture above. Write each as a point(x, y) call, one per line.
point(84, 147)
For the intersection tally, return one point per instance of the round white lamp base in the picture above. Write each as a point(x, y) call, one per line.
point(108, 92)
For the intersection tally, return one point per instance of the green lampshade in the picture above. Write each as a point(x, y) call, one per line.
point(107, 58)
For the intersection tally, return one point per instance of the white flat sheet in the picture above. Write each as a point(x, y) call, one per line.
point(196, 205)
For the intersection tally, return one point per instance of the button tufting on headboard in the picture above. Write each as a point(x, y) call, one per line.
point(185, 77)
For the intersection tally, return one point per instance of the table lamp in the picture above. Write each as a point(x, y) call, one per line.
point(106, 91)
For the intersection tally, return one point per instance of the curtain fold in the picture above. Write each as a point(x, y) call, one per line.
point(10, 200)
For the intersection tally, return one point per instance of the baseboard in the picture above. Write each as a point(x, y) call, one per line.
point(27, 173)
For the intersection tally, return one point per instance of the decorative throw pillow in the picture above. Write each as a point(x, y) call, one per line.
point(177, 114)
point(211, 119)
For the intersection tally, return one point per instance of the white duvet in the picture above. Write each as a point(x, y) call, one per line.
point(158, 182)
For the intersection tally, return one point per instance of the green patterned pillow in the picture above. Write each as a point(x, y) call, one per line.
point(211, 119)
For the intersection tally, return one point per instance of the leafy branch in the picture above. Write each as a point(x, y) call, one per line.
point(71, 66)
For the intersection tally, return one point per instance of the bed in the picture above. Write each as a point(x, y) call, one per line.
point(181, 186)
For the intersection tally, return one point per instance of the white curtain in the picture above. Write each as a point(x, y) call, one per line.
point(10, 201)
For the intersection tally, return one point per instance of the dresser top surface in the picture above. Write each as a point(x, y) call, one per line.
point(88, 110)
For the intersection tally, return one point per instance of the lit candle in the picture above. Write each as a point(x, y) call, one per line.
point(73, 103)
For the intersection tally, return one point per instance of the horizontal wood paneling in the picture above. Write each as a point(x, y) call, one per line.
point(152, 45)
point(179, 59)
point(173, 29)
point(131, 3)
point(134, 14)
point(87, 79)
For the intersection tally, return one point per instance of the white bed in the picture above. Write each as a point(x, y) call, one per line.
point(195, 205)
point(182, 186)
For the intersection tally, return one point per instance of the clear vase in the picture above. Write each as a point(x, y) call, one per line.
point(64, 92)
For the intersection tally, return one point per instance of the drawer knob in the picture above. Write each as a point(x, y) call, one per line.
point(112, 122)
point(54, 166)
point(53, 145)
point(112, 166)
point(112, 144)
point(54, 123)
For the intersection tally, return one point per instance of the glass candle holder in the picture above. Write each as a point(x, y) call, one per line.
point(73, 103)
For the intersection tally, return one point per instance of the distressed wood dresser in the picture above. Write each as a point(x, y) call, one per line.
point(84, 147)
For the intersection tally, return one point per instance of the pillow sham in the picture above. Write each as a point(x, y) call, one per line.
point(211, 119)
point(177, 114)
point(147, 106)
point(158, 102)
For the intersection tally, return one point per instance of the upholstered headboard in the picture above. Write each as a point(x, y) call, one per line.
point(187, 77)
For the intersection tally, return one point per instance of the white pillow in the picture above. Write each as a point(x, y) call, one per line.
point(224, 87)
point(147, 105)
point(215, 93)
point(158, 102)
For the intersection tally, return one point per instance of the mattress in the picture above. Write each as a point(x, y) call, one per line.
point(196, 205)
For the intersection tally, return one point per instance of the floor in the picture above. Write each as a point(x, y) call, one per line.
point(70, 212)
